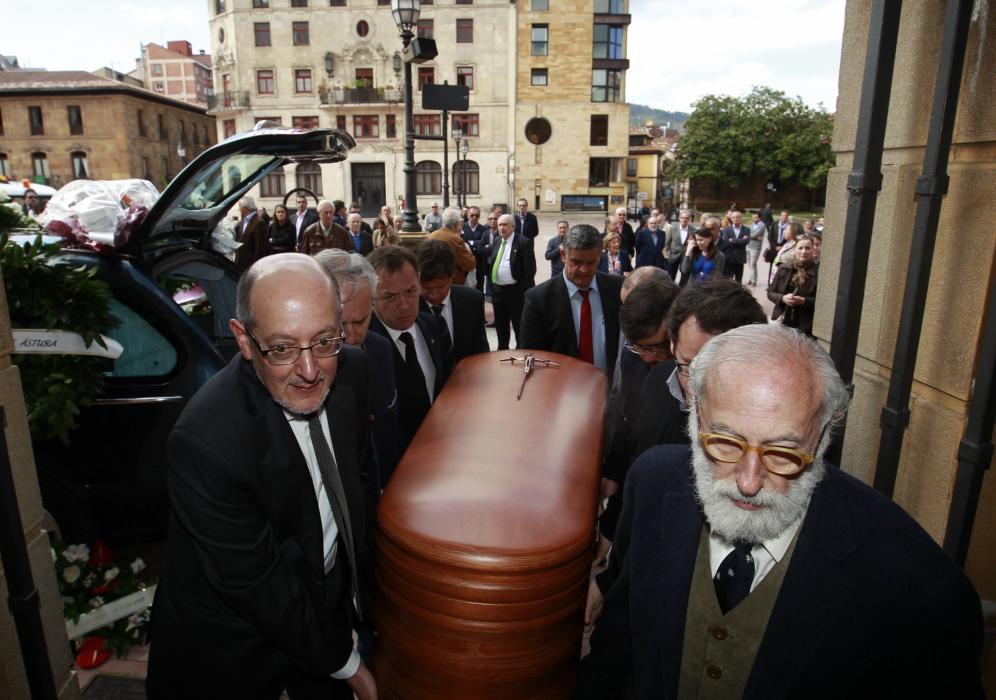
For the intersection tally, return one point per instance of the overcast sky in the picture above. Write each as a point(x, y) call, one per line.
point(679, 50)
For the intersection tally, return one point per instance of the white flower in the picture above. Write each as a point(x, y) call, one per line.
point(96, 602)
point(76, 552)
point(111, 574)
point(71, 573)
point(137, 565)
point(134, 621)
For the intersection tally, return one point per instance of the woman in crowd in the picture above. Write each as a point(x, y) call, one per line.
point(702, 258)
point(384, 234)
point(614, 260)
point(283, 237)
point(786, 254)
point(794, 288)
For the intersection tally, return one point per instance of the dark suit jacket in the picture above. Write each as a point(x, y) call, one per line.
point(366, 243)
point(548, 324)
point(410, 414)
point(310, 217)
point(553, 255)
point(603, 262)
point(469, 334)
point(733, 244)
point(646, 252)
point(255, 242)
point(870, 607)
point(628, 238)
point(244, 601)
point(479, 240)
point(384, 409)
point(528, 227)
point(522, 261)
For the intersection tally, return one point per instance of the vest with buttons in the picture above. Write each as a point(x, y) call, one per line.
point(719, 650)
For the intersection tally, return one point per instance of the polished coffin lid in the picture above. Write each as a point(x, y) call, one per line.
point(491, 480)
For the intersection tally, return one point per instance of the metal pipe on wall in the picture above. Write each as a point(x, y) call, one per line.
point(975, 451)
point(931, 187)
point(22, 596)
point(863, 184)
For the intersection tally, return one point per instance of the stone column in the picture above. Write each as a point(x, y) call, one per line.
point(13, 682)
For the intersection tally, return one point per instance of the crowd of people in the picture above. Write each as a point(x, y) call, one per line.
point(731, 560)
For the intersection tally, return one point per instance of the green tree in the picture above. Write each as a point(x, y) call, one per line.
point(729, 139)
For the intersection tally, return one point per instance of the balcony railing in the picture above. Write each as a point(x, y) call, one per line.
point(238, 99)
point(351, 96)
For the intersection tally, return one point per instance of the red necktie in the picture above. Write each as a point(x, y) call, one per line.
point(585, 346)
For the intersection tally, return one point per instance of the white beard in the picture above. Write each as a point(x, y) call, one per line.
point(734, 524)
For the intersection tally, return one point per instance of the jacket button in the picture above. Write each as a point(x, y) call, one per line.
point(720, 633)
point(714, 672)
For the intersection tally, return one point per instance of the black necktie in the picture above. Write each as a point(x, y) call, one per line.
point(437, 310)
point(733, 579)
point(412, 365)
point(335, 493)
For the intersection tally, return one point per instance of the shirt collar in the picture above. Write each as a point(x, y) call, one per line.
point(674, 386)
point(775, 547)
point(572, 288)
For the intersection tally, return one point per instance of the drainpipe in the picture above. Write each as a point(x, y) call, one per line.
point(863, 185)
point(931, 187)
point(22, 596)
point(975, 452)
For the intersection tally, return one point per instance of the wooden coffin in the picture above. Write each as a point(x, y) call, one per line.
point(485, 535)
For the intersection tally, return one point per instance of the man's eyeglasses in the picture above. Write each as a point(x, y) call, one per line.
point(280, 354)
point(658, 350)
point(783, 461)
point(682, 368)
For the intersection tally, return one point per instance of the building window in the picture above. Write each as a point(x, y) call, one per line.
point(35, 118)
point(631, 167)
point(219, 6)
point(81, 168)
point(273, 184)
point(541, 40)
point(605, 85)
point(165, 166)
point(426, 76)
point(264, 82)
point(465, 31)
point(467, 177)
point(141, 123)
point(299, 3)
point(146, 172)
point(340, 122)
point(163, 134)
point(342, 3)
point(609, 7)
point(364, 77)
point(424, 29)
point(304, 122)
point(465, 76)
point(302, 80)
point(301, 35)
point(228, 127)
point(541, 5)
point(362, 28)
point(157, 69)
point(469, 124)
point(262, 32)
point(599, 130)
point(608, 41)
point(39, 166)
point(390, 127)
point(539, 77)
point(538, 131)
point(309, 176)
point(366, 126)
point(428, 177)
point(1, 122)
point(428, 124)
point(464, 2)
point(260, 4)
point(4, 166)
point(602, 171)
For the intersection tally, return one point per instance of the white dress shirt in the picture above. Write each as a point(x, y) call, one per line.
point(765, 554)
point(421, 352)
point(597, 318)
point(330, 533)
point(505, 265)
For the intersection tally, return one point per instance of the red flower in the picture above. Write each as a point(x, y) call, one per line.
point(100, 555)
point(92, 653)
point(105, 587)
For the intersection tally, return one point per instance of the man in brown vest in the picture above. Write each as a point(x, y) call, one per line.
point(752, 569)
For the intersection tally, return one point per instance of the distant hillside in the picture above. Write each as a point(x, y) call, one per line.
point(639, 114)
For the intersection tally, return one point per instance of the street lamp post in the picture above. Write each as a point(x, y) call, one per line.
point(457, 134)
point(464, 147)
point(405, 13)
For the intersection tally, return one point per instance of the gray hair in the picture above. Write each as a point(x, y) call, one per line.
point(247, 202)
point(754, 345)
point(452, 219)
point(350, 271)
point(325, 202)
point(583, 237)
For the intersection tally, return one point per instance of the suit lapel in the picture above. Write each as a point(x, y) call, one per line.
point(435, 351)
point(565, 318)
point(815, 590)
